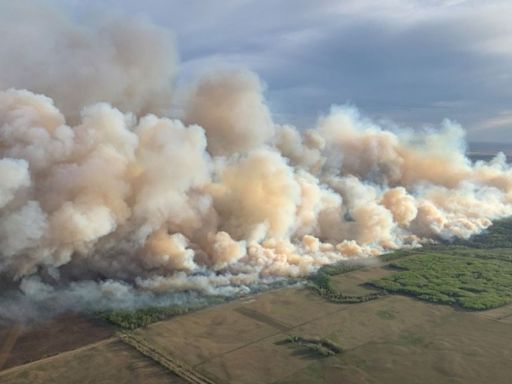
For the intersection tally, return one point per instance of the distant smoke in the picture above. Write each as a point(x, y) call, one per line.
point(102, 204)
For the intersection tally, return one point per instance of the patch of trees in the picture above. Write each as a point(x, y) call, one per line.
point(317, 346)
point(461, 279)
point(498, 235)
point(398, 254)
point(132, 319)
point(341, 267)
point(321, 283)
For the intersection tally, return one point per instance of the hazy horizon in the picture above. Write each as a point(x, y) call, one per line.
point(413, 62)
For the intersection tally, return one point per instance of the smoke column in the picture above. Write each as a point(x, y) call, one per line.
point(105, 203)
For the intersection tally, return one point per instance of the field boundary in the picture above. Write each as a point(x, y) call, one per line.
point(263, 318)
point(53, 357)
point(175, 366)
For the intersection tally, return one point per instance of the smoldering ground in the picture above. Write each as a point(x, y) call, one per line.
point(106, 200)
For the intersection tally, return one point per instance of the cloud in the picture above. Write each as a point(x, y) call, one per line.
point(397, 59)
point(498, 126)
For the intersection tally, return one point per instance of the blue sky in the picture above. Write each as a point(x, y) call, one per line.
point(414, 62)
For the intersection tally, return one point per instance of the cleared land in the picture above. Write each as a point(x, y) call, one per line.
point(385, 340)
point(61, 334)
point(109, 361)
point(388, 339)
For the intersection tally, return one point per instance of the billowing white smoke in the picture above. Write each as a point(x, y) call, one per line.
point(129, 63)
point(116, 203)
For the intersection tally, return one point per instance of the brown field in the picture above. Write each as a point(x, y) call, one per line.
point(63, 333)
point(351, 284)
point(394, 339)
point(108, 361)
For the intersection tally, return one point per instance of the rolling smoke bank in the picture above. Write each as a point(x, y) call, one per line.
point(103, 203)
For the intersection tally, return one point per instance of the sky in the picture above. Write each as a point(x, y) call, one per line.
point(412, 62)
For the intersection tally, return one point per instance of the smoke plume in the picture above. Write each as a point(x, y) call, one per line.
point(105, 200)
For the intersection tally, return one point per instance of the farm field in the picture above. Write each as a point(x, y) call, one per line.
point(108, 361)
point(384, 340)
point(417, 330)
point(61, 334)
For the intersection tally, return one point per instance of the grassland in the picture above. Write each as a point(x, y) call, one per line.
point(108, 361)
point(389, 340)
point(386, 338)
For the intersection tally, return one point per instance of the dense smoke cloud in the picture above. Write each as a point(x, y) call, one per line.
point(128, 62)
point(114, 206)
